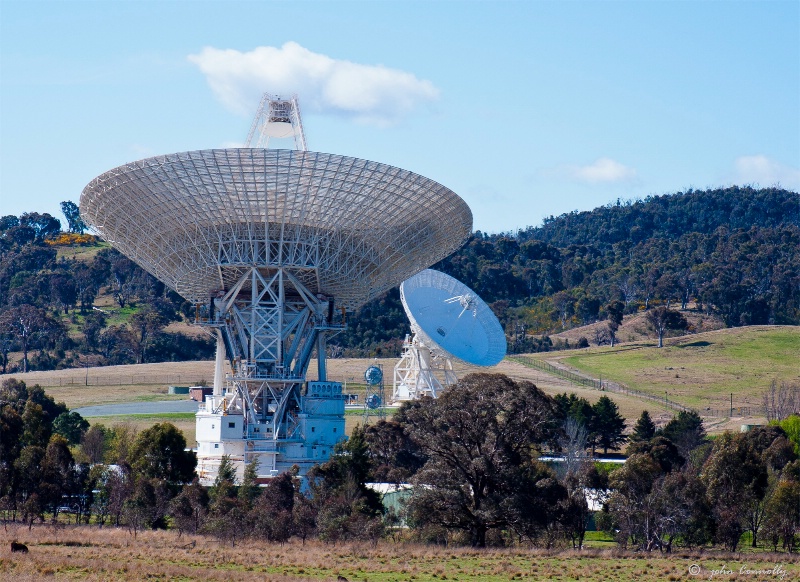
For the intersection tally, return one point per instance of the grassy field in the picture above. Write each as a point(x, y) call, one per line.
point(113, 554)
point(113, 384)
point(78, 396)
point(700, 370)
point(149, 382)
point(183, 421)
point(81, 253)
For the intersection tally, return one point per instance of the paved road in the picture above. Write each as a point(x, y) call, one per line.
point(138, 408)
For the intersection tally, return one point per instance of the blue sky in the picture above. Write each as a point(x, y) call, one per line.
point(525, 109)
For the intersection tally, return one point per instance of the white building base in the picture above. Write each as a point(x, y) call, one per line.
point(222, 430)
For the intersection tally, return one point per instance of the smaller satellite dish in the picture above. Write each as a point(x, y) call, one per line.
point(373, 401)
point(373, 375)
point(447, 314)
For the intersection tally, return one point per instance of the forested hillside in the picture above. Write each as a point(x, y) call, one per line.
point(68, 300)
point(731, 252)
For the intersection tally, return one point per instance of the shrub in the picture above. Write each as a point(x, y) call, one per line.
point(65, 239)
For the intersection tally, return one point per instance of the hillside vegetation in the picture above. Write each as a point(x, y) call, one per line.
point(70, 300)
point(733, 255)
point(634, 328)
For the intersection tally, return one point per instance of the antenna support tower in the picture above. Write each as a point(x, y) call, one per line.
point(277, 117)
point(422, 371)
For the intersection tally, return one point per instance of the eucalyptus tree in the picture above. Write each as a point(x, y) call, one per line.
point(481, 439)
point(615, 311)
point(661, 320)
point(73, 215)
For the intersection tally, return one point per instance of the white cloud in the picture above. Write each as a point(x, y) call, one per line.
point(765, 172)
point(603, 170)
point(368, 93)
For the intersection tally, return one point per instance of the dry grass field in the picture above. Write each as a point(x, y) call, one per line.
point(149, 382)
point(89, 553)
point(113, 384)
point(634, 327)
point(700, 370)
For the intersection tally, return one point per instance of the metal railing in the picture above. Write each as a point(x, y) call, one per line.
point(731, 412)
point(555, 371)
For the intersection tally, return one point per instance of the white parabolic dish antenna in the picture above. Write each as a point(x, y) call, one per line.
point(271, 245)
point(447, 313)
point(447, 319)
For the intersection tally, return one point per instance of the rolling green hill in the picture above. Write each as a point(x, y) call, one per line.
point(702, 370)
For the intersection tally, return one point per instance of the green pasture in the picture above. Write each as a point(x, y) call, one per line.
point(701, 370)
point(80, 252)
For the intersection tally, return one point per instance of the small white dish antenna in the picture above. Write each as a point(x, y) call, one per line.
point(448, 320)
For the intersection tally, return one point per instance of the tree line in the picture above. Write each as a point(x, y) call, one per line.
point(491, 462)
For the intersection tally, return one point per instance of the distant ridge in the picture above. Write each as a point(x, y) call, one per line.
point(670, 216)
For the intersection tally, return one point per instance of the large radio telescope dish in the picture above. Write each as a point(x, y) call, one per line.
point(446, 313)
point(347, 228)
point(268, 243)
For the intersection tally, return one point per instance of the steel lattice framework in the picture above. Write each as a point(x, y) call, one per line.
point(346, 228)
point(268, 243)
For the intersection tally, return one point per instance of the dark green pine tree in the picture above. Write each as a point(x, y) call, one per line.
point(608, 425)
point(644, 429)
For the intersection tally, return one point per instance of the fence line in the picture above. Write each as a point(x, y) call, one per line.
point(553, 370)
point(120, 380)
point(147, 379)
point(736, 411)
point(603, 385)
